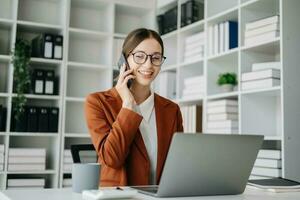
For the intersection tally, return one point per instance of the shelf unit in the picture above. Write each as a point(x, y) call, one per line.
point(272, 112)
point(89, 29)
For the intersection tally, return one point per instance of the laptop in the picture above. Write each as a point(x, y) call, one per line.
point(206, 164)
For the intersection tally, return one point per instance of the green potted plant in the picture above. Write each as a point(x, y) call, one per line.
point(20, 60)
point(227, 81)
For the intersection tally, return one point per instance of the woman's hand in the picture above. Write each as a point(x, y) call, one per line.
point(123, 90)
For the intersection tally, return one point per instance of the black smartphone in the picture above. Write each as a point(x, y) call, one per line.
point(120, 63)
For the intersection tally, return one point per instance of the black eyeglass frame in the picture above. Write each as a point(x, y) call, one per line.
point(148, 55)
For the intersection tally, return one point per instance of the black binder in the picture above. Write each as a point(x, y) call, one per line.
point(160, 23)
point(32, 119)
point(183, 15)
point(53, 119)
point(3, 112)
point(38, 81)
point(21, 124)
point(49, 82)
point(43, 119)
point(42, 46)
point(58, 47)
point(194, 11)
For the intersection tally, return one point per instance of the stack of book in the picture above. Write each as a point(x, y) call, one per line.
point(193, 87)
point(262, 30)
point(222, 116)
point(68, 161)
point(263, 75)
point(267, 164)
point(165, 84)
point(222, 37)
point(194, 47)
point(2, 157)
point(85, 157)
point(192, 118)
point(26, 159)
point(167, 21)
point(67, 182)
point(25, 183)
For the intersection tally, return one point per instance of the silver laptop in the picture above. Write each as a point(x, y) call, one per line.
point(206, 164)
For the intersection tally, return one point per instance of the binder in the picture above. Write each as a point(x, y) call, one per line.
point(53, 119)
point(49, 82)
point(38, 81)
point(21, 124)
point(183, 15)
point(194, 11)
point(42, 119)
point(58, 47)
point(160, 23)
point(32, 119)
point(42, 46)
point(2, 118)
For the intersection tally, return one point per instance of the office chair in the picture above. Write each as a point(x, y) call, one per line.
point(76, 148)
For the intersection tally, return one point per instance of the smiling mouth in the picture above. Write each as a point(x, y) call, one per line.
point(146, 74)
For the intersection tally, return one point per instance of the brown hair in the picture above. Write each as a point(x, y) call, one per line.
point(135, 37)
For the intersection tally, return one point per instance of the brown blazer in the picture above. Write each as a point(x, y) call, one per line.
point(119, 144)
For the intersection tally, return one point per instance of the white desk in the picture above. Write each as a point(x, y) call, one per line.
point(67, 194)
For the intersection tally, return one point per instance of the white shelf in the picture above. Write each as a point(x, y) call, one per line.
point(230, 14)
point(39, 134)
point(48, 171)
point(169, 67)
point(193, 26)
point(227, 53)
point(5, 58)
point(198, 61)
point(6, 22)
point(188, 101)
point(90, 33)
point(81, 65)
point(77, 135)
point(223, 95)
point(45, 61)
point(35, 27)
point(4, 94)
point(275, 138)
point(265, 91)
point(169, 35)
point(42, 97)
point(75, 99)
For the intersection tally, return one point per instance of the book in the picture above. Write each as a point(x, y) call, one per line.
point(25, 182)
point(269, 154)
point(261, 30)
point(196, 44)
point(275, 183)
point(26, 167)
point(223, 116)
point(67, 182)
point(195, 38)
point(32, 119)
point(230, 124)
point(271, 172)
point(53, 114)
point(259, 84)
point(49, 82)
point(193, 80)
point(167, 84)
point(196, 51)
point(42, 46)
point(262, 22)
point(223, 130)
point(222, 109)
point(26, 159)
point(27, 152)
point(261, 74)
point(270, 163)
point(211, 40)
point(231, 35)
point(223, 102)
point(221, 37)
point(43, 117)
point(266, 65)
point(262, 38)
point(216, 39)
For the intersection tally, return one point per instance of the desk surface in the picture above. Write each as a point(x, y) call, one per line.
point(67, 194)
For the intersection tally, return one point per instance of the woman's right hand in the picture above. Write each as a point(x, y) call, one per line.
point(123, 90)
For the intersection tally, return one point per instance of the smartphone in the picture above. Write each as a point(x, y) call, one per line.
point(121, 61)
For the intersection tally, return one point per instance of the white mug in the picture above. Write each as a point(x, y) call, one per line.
point(85, 176)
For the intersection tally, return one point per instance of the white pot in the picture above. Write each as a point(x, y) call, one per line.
point(227, 87)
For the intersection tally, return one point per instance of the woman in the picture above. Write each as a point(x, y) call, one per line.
point(131, 128)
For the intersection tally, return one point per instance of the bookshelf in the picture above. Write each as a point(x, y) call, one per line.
point(90, 29)
point(272, 111)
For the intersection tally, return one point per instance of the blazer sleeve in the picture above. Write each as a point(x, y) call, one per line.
point(179, 120)
point(112, 143)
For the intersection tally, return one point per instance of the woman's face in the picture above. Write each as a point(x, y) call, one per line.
point(145, 72)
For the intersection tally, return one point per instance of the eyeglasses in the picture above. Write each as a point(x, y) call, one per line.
point(141, 57)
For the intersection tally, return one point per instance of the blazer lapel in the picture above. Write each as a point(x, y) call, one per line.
point(163, 122)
